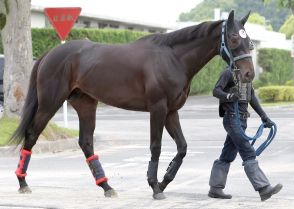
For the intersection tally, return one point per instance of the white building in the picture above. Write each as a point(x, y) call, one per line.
point(86, 20)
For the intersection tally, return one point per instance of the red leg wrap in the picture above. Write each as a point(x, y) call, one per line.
point(99, 181)
point(93, 157)
point(96, 169)
point(23, 163)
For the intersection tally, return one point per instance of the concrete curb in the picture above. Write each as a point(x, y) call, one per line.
point(43, 146)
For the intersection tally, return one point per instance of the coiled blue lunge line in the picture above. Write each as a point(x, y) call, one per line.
point(258, 134)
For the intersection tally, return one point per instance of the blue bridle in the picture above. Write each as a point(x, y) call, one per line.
point(225, 52)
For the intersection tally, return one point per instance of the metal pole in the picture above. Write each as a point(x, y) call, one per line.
point(65, 119)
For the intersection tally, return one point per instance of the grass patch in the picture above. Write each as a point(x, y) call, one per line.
point(7, 127)
point(51, 132)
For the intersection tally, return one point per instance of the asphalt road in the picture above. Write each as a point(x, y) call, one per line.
point(63, 180)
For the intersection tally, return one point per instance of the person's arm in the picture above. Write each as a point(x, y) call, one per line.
point(258, 109)
point(218, 90)
point(256, 106)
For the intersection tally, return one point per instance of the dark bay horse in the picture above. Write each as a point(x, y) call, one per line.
point(152, 74)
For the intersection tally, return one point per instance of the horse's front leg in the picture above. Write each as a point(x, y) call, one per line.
point(157, 119)
point(86, 109)
point(173, 127)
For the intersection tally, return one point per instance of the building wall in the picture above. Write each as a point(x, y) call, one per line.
point(39, 20)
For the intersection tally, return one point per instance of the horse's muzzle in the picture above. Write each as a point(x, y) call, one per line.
point(247, 76)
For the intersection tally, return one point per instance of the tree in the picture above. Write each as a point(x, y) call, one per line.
point(204, 11)
point(260, 20)
point(15, 26)
point(288, 27)
point(283, 3)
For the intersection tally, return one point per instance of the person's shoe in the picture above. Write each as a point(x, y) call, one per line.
point(218, 193)
point(268, 191)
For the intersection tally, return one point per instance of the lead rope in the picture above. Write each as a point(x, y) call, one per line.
point(270, 137)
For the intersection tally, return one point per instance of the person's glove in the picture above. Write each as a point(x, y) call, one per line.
point(267, 122)
point(232, 97)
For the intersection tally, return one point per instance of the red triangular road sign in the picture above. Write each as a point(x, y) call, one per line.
point(62, 19)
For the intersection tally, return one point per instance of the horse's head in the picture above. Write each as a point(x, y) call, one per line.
point(236, 46)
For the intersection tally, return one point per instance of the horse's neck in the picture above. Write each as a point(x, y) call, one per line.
point(196, 53)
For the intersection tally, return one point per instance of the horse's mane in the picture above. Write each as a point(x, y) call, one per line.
point(183, 35)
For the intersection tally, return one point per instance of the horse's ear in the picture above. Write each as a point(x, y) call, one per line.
point(245, 18)
point(231, 19)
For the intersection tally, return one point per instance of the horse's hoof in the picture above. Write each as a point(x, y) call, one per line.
point(159, 196)
point(24, 190)
point(110, 193)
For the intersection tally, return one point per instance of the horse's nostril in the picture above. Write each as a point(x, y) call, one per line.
point(249, 75)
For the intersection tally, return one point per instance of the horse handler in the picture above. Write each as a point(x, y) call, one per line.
point(228, 93)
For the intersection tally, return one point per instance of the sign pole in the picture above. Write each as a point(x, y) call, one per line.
point(65, 118)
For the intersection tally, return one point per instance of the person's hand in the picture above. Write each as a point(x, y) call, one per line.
point(267, 122)
point(232, 97)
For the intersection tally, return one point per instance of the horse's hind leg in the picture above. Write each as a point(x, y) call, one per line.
point(86, 109)
point(174, 129)
point(39, 122)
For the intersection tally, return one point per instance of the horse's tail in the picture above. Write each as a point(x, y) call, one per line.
point(30, 107)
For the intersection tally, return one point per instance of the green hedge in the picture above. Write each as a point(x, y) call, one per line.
point(276, 93)
point(204, 81)
point(289, 83)
point(45, 39)
point(276, 65)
